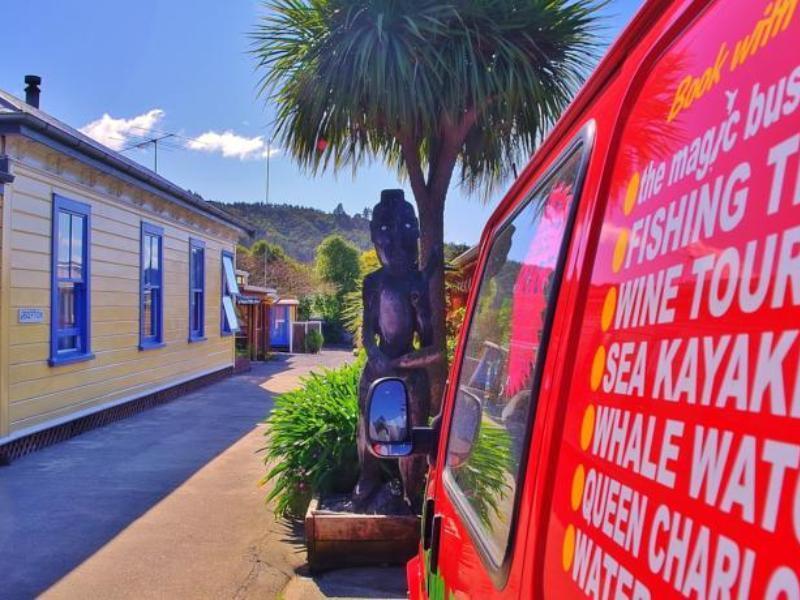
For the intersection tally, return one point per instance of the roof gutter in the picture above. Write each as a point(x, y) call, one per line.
point(29, 126)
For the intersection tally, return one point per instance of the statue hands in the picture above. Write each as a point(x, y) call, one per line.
point(418, 359)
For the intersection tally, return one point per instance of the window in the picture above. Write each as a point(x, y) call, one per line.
point(504, 352)
point(229, 323)
point(197, 290)
point(70, 318)
point(151, 301)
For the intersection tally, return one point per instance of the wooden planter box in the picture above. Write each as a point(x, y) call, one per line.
point(337, 539)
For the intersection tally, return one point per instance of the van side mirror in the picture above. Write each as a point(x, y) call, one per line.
point(465, 428)
point(389, 422)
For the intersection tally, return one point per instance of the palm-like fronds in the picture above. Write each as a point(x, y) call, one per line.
point(380, 77)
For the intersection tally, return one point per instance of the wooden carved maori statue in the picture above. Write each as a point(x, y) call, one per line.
point(396, 312)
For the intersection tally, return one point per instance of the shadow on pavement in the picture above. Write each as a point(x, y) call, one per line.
point(368, 582)
point(60, 505)
point(364, 582)
point(295, 535)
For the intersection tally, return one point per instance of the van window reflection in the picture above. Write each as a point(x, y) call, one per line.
point(501, 350)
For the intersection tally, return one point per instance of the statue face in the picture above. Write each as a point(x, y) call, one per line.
point(395, 233)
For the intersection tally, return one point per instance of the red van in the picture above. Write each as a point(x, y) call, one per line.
point(623, 413)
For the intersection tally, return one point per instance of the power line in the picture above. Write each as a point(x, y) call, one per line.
point(157, 138)
point(172, 134)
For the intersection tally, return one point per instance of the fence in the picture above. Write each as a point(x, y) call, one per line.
point(300, 329)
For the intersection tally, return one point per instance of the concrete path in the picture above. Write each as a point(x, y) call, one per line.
point(388, 583)
point(163, 505)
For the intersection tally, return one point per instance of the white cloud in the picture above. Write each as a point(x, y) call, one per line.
point(231, 145)
point(121, 133)
point(115, 133)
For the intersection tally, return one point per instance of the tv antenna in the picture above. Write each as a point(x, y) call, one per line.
point(154, 141)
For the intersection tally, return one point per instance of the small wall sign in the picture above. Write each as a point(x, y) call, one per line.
point(30, 315)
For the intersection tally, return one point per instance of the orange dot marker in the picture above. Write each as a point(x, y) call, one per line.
point(609, 306)
point(587, 427)
point(598, 366)
point(619, 251)
point(630, 194)
point(568, 551)
point(578, 480)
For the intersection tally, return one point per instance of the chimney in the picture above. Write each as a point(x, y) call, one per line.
point(32, 91)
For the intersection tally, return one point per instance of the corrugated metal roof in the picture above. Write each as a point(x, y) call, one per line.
point(465, 258)
point(288, 301)
point(14, 111)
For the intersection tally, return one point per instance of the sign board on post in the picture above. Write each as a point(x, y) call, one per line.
point(30, 315)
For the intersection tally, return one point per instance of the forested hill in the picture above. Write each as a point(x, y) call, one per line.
point(299, 229)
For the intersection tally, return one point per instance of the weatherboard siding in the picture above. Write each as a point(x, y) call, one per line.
point(4, 321)
point(37, 392)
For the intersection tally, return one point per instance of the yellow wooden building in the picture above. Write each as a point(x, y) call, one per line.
point(115, 284)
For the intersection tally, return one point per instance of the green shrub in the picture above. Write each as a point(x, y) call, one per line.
point(311, 439)
point(314, 341)
point(330, 307)
point(242, 347)
point(486, 471)
point(304, 308)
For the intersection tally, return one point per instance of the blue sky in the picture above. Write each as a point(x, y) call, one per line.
point(182, 67)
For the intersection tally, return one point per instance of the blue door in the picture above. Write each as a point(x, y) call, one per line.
point(279, 326)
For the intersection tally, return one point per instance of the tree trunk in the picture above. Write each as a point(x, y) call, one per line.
point(430, 197)
point(431, 213)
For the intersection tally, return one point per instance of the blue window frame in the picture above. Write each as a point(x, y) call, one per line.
point(197, 289)
point(229, 321)
point(70, 316)
point(151, 295)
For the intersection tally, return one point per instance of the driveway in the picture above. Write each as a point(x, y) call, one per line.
point(164, 504)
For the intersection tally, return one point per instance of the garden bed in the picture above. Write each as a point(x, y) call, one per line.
point(342, 539)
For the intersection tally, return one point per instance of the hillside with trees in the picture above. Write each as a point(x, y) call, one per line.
point(269, 266)
point(299, 230)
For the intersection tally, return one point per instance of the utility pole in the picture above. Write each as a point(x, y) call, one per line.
point(269, 151)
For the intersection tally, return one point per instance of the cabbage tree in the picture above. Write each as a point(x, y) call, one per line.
point(430, 87)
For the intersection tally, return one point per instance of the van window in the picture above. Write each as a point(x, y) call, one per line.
point(498, 371)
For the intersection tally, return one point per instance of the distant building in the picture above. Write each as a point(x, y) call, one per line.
point(115, 284)
point(253, 305)
point(282, 317)
point(460, 275)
